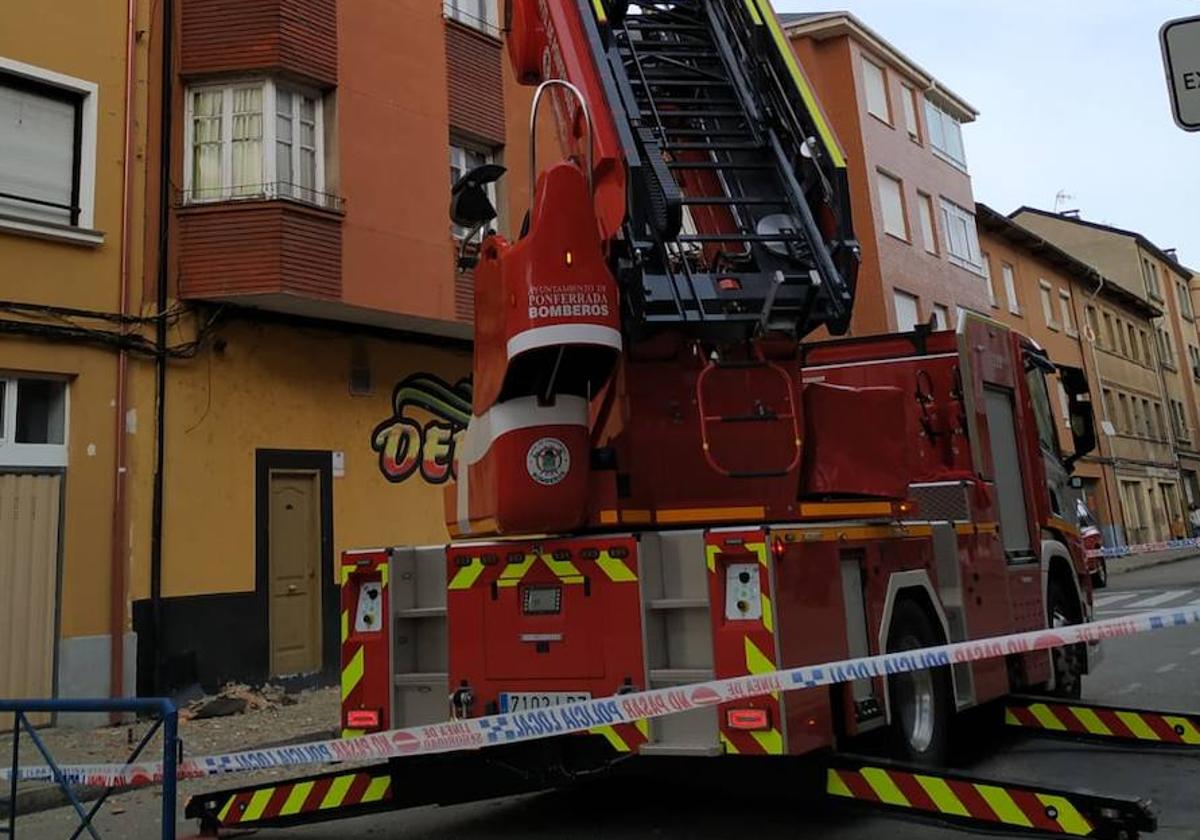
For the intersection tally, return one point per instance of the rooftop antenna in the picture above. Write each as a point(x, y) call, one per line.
point(1061, 198)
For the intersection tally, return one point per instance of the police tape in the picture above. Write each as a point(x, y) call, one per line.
point(1144, 548)
point(515, 727)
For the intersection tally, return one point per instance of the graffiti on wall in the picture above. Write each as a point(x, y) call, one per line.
point(429, 416)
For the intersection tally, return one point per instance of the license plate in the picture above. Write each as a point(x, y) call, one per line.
point(524, 701)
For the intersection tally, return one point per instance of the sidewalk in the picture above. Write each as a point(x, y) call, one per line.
point(1121, 565)
point(313, 717)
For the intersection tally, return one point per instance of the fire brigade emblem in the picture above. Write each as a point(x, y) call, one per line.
point(548, 461)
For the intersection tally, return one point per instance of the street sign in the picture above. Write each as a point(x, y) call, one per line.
point(1181, 57)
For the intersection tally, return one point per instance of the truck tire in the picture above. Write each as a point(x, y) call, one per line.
point(922, 702)
point(1062, 609)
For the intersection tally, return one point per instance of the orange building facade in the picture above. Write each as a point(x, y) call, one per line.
point(914, 212)
point(310, 273)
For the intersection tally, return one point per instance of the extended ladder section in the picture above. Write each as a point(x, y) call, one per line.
point(739, 217)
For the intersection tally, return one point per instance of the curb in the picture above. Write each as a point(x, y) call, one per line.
point(1136, 564)
point(45, 796)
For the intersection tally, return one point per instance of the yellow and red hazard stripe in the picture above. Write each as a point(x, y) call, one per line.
point(1009, 805)
point(744, 647)
point(296, 799)
point(365, 656)
point(1090, 720)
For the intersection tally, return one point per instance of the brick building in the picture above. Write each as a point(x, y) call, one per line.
point(914, 212)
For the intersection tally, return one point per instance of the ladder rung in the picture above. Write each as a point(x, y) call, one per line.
point(743, 237)
point(725, 201)
point(713, 147)
point(717, 165)
point(678, 82)
point(713, 114)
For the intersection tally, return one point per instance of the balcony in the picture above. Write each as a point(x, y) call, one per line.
point(260, 250)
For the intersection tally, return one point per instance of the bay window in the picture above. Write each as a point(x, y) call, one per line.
point(254, 139)
point(945, 134)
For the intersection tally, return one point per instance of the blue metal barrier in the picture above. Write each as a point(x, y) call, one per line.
point(168, 721)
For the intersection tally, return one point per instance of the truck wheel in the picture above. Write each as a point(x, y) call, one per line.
point(1100, 578)
point(922, 702)
point(1062, 609)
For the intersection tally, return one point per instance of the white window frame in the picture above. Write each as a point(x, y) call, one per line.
point(991, 287)
point(453, 10)
point(13, 454)
point(880, 176)
point(1008, 274)
point(911, 119)
point(897, 296)
point(925, 214)
point(945, 118)
point(270, 168)
point(951, 213)
point(84, 232)
point(1068, 316)
point(1046, 293)
point(867, 67)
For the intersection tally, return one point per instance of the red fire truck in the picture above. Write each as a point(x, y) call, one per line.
point(665, 481)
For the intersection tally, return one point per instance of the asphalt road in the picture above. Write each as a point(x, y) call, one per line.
point(1160, 670)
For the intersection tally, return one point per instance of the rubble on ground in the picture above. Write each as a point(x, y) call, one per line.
point(236, 699)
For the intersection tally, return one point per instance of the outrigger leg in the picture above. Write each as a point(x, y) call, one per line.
point(986, 803)
point(1096, 722)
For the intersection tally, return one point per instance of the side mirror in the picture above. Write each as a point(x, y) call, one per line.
point(470, 205)
point(1082, 417)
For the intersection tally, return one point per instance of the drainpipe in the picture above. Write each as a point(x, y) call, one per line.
point(118, 549)
point(160, 338)
point(1091, 334)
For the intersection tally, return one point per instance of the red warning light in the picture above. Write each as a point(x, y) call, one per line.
point(748, 720)
point(363, 719)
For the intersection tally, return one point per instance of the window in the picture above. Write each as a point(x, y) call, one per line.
point(1064, 404)
point(1147, 352)
point(961, 237)
point(925, 212)
point(987, 276)
point(47, 168)
point(1194, 356)
point(1040, 397)
point(462, 160)
point(910, 113)
point(875, 83)
point(1125, 417)
point(1121, 339)
point(1047, 304)
point(1150, 275)
point(1064, 309)
point(945, 134)
point(941, 317)
point(907, 313)
point(1185, 301)
point(33, 422)
point(1160, 422)
point(1165, 349)
point(233, 151)
point(1010, 288)
point(891, 206)
point(1110, 341)
point(1179, 420)
point(480, 14)
point(1133, 343)
point(1138, 419)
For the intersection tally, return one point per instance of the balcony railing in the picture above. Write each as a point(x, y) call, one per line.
point(267, 191)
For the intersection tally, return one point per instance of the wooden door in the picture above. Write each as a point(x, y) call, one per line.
point(294, 553)
point(29, 531)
